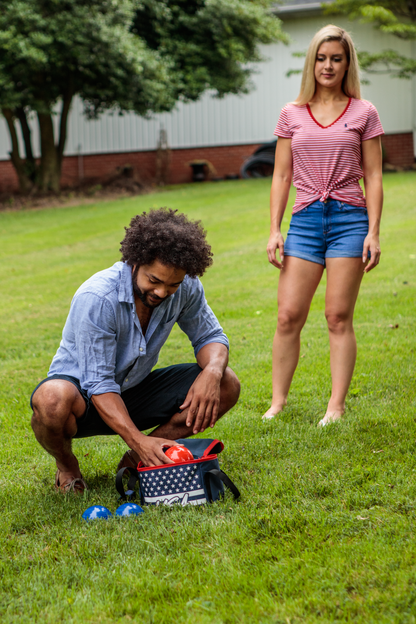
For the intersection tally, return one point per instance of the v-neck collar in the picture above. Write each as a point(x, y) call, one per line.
point(334, 122)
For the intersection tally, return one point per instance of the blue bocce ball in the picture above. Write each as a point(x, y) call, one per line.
point(97, 512)
point(129, 509)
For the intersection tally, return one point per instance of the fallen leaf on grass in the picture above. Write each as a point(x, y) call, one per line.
point(380, 451)
point(361, 518)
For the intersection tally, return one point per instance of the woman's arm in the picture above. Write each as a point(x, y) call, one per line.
point(373, 183)
point(282, 178)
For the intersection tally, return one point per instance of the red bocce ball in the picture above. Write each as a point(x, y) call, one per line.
point(179, 454)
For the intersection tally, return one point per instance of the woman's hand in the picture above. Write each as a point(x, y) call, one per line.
point(276, 242)
point(372, 245)
point(373, 182)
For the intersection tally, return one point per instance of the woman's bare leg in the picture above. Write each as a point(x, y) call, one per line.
point(298, 282)
point(344, 277)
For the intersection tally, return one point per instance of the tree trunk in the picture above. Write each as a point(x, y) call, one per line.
point(25, 184)
point(49, 171)
point(51, 154)
point(27, 138)
point(47, 176)
point(66, 106)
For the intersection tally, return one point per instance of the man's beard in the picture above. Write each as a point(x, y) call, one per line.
point(141, 295)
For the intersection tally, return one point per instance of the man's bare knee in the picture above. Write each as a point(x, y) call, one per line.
point(230, 390)
point(54, 401)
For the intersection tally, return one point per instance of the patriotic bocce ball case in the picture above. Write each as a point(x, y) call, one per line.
point(187, 483)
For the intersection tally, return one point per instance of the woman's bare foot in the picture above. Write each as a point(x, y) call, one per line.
point(273, 411)
point(331, 417)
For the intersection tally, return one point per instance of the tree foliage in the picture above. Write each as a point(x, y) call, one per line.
point(123, 55)
point(210, 42)
point(394, 17)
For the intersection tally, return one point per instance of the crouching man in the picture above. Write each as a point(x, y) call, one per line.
point(101, 381)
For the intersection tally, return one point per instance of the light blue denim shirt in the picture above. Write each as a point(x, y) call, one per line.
point(102, 342)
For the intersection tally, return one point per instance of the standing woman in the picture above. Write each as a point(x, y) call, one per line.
point(329, 139)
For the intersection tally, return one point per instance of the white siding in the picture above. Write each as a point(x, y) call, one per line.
point(239, 119)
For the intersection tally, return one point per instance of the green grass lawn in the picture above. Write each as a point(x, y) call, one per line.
point(325, 530)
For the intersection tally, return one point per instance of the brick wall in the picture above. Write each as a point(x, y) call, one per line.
point(8, 177)
point(226, 160)
point(398, 149)
point(95, 168)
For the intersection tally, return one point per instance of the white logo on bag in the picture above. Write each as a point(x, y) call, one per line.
point(182, 499)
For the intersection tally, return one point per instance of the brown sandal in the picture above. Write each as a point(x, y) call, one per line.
point(127, 461)
point(77, 485)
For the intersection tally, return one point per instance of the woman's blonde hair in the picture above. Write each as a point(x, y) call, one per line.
point(351, 82)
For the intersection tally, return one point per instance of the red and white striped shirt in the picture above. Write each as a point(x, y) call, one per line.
point(327, 160)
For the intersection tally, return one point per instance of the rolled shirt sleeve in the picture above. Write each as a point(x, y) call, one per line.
point(282, 128)
point(198, 321)
point(373, 125)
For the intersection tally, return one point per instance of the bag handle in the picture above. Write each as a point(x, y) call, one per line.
point(224, 478)
point(214, 448)
point(134, 475)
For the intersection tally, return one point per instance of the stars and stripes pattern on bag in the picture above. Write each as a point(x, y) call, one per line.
point(173, 484)
point(186, 483)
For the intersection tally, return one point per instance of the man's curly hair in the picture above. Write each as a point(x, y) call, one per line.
point(168, 236)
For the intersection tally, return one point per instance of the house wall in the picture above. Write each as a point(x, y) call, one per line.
point(243, 121)
point(226, 160)
point(399, 149)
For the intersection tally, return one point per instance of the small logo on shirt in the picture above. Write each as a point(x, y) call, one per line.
point(345, 125)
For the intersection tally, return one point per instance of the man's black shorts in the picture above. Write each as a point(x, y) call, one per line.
point(152, 402)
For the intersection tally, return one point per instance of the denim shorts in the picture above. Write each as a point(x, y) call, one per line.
point(330, 229)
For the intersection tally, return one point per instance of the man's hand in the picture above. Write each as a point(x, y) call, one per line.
point(203, 400)
point(150, 450)
point(113, 411)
